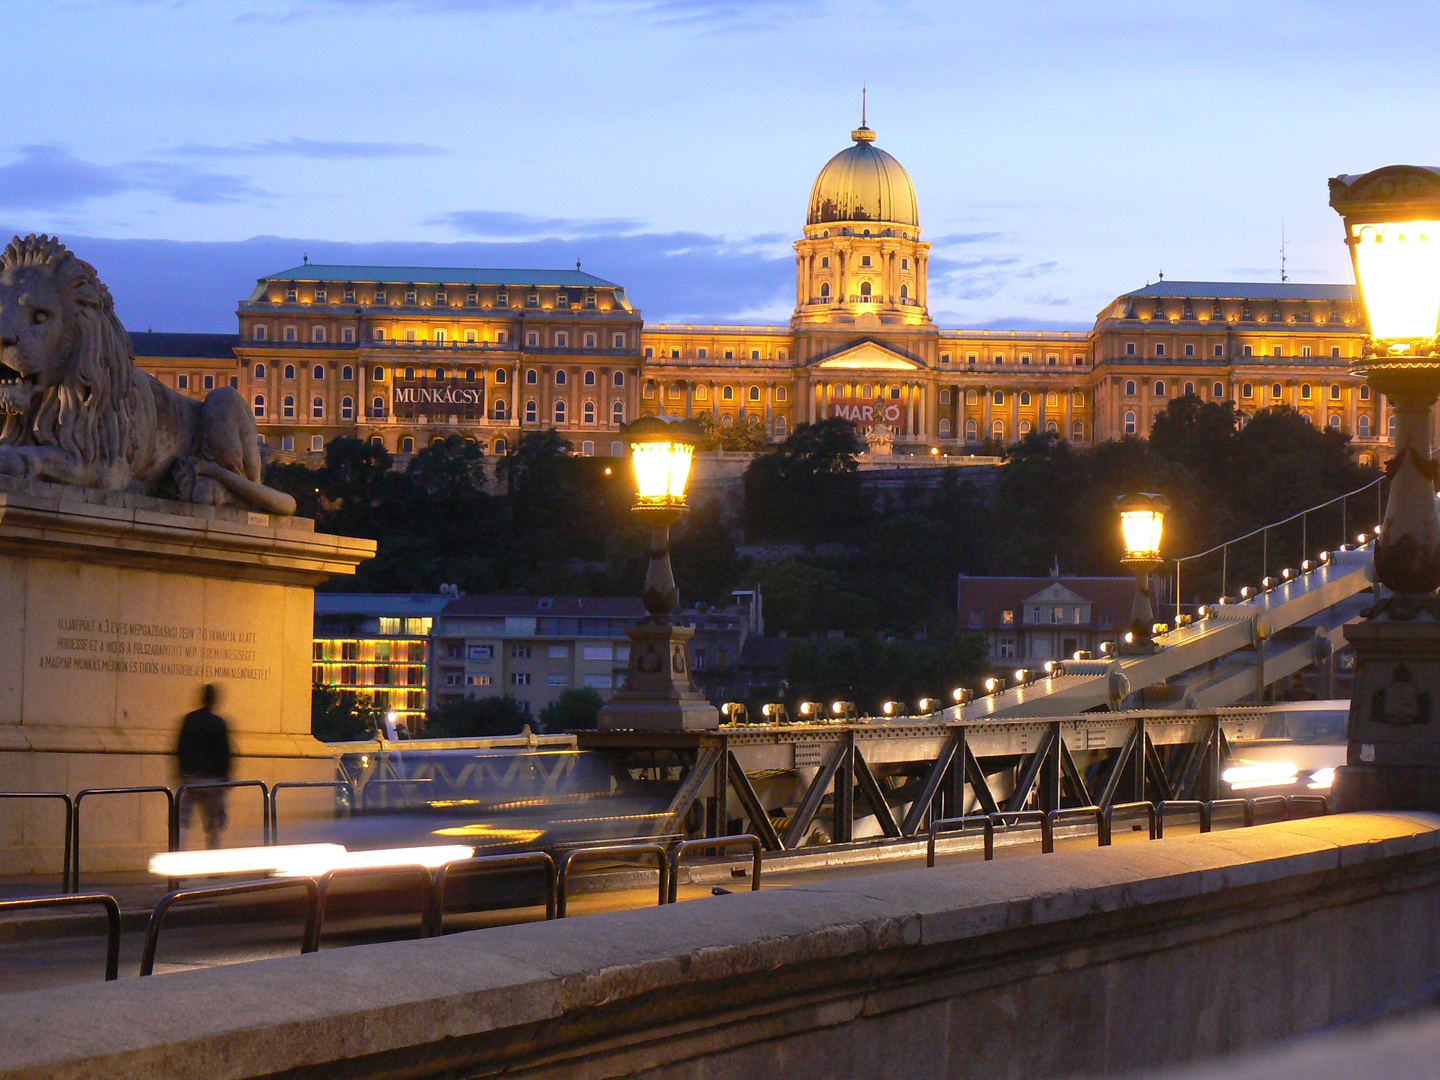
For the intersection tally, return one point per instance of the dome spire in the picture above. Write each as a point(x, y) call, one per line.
point(862, 134)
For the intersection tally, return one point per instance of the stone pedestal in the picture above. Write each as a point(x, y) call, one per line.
point(1394, 731)
point(117, 609)
point(658, 694)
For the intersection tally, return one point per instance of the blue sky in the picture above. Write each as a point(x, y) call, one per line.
point(1062, 152)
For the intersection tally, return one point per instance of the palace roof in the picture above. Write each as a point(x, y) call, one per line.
point(437, 275)
point(1246, 290)
point(210, 346)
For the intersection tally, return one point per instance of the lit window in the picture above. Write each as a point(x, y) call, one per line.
point(1007, 617)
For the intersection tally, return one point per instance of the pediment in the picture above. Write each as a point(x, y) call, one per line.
point(868, 356)
point(1056, 594)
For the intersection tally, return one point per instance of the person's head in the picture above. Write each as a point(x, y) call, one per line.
point(209, 695)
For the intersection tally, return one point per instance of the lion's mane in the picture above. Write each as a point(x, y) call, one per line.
point(84, 407)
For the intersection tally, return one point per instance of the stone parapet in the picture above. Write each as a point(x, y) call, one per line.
point(1083, 962)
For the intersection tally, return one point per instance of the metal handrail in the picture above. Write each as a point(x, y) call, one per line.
point(960, 824)
point(421, 873)
point(140, 789)
point(1047, 826)
point(341, 785)
point(1311, 800)
point(489, 864)
point(1265, 529)
point(1107, 820)
point(684, 847)
point(112, 919)
point(69, 825)
point(1262, 801)
point(194, 785)
point(308, 943)
point(1180, 806)
point(1243, 805)
point(562, 876)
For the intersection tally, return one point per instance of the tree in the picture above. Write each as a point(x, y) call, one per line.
point(576, 709)
point(341, 715)
point(808, 488)
point(484, 717)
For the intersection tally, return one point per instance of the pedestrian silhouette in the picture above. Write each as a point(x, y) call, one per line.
point(203, 754)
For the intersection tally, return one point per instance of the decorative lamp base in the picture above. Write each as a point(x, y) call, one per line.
point(1393, 761)
point(658, 694)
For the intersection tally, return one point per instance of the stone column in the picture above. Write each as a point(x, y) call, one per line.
point(1069, 414)
point(1014, 414)
point(987, 395)
point(514, 392)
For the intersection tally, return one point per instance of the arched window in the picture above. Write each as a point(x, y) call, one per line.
point(972, 398)
point(619, 379)
point(289, 371)
point(617, 412)
point(754, 393)
point(287, 407)
point(499, 447)
point(1305, 391)
point(532, 411)
point(560, 412)
point(588, 413)
point(999, 398)
point(259, 371)
point(1390, 430)
point(409, 374)
point(727, 393)
point(1159, 388)
point(378, 375)
point(347, 408)
point(904, 292)
point(376, 440)
point(1334, 423)
point(317, 408)
point(1365, 392)
point(1024, 428)
point(347, 373)
point(944, 427)
point(532, 377)
point(407, 445)
point(560, 377)
point(500, 375)
point(377, 407)
point(440, 337)
point(1334, 391)
point(1275, 390)
point(997, 430)
point(1024, 399)
point(1189, 389)
point(1129, 387)
point(439, 373)
point(589, 378)
point(1246, 390)
point(318, 374)
point(1052, 400)
point(781, 394)
point(1079, 399)
point(1218, 391)
point(780, 427)
point(1129, 423)
point(1077, 431)
point(1050, 425)
point(864, 288)
point(972, 431)
point(824, 290)
point(260, 405)
point(1363, 426)
point(944, 395)
point(500, 407)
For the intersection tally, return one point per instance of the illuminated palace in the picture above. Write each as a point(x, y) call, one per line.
point(404, 356)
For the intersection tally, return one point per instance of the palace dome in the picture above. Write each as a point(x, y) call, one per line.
point(863, 183)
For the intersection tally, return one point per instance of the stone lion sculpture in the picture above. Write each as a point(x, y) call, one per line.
point(78, 411)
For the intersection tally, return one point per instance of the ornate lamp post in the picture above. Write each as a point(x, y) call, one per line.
point(1142, 521)
point(1392, 226)
point(658, 694)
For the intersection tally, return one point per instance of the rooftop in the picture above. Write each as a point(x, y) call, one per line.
point(437, 275)
point(217, 346)
point(1246, 290)
point(598, 607)
point(412, 605)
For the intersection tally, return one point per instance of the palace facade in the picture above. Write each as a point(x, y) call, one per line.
point(404, 356)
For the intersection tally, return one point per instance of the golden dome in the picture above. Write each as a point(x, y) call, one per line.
point(863, 183)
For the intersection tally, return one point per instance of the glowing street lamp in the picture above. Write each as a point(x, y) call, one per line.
point(1142, 523)
point(1392, 227)
point(658, 693)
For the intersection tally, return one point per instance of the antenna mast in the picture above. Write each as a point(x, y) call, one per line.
point(1283, 275)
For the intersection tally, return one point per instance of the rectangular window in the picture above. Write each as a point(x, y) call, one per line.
point(1007, 617)
point(480, 680)
point(182, 382)
point(480, 652)
point(319, 294)
point(1007, 648)
point(600, 682)
point(558, 680)
point(520, 678)
point(600, 652)
point(559, 652)
point(379, 296)
point(520, 652)
point(1057, 615)
point(389, 625)
point(977, 618)
point(1219, 351)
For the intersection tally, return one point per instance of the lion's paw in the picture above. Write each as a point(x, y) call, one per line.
point(14, 461)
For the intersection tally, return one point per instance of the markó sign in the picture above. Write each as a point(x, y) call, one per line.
point(464, 397)
point(865, 413)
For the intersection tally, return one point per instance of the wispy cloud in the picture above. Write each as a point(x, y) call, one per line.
point(501, 224)
point(49, 177)
point(322, 149)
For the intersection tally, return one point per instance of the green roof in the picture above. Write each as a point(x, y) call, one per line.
point(437, 275)
point(1246, 290)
